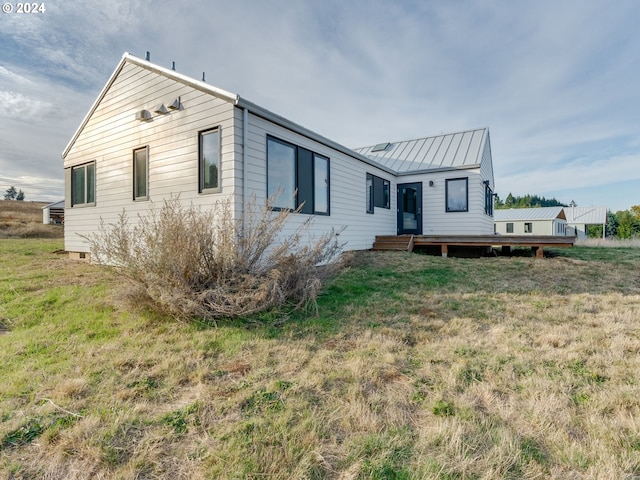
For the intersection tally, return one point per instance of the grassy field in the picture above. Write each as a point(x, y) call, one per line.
point(24, 220)
point(416, 367)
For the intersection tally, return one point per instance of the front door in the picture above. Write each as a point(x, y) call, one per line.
point(410, 208)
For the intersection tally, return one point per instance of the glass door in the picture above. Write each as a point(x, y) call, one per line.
point(410, 208)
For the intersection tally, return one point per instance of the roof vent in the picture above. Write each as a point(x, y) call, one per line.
point(381, 147)
point(161, 109)
point(143, 115)
point(175, 105)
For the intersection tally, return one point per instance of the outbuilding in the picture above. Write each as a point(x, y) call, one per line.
point(53, 213)
point(531, 221)
point(579, 219)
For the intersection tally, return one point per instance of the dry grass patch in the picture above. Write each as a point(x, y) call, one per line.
point(416, 367)
point(24, 220)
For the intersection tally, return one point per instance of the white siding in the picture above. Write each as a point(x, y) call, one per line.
point(539, 227)
point(112, 133)
point(347, 188)
point(436, 220)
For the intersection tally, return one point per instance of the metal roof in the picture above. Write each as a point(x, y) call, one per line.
point(586, 215)
point(59, 204)
point(441, 152)
point(525, 214)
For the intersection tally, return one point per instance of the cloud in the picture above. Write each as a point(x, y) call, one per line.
point(19, 106)
point(554, 81)
point(577, 174)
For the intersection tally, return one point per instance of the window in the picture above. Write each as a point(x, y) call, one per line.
point(83, 184)
point(488, 199)
point(561, 228)
point(141, 174)
point(378, 193)
point(297, 178)
point(509, 227)
point(321, 185)
point(528, 227)
point(457, 193)
point(209, 160)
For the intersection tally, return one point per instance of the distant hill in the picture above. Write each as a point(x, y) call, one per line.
point(24, 220)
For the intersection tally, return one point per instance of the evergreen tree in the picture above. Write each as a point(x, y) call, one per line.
point(11, 193)
point(20, 196)
point(509, 202)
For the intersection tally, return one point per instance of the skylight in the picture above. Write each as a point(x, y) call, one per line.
point(381, 147)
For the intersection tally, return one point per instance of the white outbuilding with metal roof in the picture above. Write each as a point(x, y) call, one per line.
point(534, 221)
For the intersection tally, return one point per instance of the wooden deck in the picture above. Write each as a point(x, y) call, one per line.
point(408, 242)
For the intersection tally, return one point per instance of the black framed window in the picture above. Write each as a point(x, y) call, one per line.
point(457, 193)
point(509, 227)
point(141, 173)
point(488, 200)
point(83, 184)
point(378, 193)
point(209, 160)
point(297, 178)
point(528, 227)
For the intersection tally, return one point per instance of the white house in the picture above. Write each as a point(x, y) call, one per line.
point(534, 221)
point(153, 132)
point(580, 218)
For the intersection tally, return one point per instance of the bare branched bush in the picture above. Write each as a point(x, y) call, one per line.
point(202, 263)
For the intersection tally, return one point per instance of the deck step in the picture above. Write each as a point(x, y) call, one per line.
point(400, 243)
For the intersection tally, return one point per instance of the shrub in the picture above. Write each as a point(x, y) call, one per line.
point(201, 263)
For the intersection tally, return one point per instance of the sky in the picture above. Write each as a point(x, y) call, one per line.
point(556, 82)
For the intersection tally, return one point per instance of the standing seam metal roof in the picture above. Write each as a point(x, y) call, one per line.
point(524, 214)
point(586, 215)
point(445, 151)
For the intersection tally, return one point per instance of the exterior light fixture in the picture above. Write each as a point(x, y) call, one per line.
point(175, 105)
point(143, 115)
point(161, 109)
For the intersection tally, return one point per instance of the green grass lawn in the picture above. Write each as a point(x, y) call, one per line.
point(415, 367)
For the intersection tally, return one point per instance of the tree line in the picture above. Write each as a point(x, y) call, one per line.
point(623, 224)
point(527, 201)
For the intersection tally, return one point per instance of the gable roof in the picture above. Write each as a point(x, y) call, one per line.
point(449, 151)
point(524, 214)
point(232, 98)
point(586, 215)
point(442, 152)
